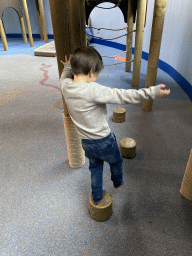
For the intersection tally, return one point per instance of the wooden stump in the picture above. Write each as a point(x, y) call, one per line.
point(119, 115)
point(103, 210)
point(186, 186)
point(128, 147)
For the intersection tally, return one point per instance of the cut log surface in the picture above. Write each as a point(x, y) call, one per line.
point(103, 210)
point(119, 115)
point(128, 147)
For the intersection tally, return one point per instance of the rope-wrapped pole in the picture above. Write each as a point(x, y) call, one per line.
point(61, 13)
point(129, 42)
point(155, 46)
point(75, 151)
point(186, 186)
point(141, 11)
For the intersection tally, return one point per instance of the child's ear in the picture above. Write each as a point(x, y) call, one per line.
point(90, 73)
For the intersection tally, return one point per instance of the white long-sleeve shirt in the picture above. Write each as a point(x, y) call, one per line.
point(86, 103)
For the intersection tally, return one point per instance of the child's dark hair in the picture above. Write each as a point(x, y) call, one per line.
point(85, 59)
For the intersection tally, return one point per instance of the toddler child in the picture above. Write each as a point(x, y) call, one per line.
point(86, 101)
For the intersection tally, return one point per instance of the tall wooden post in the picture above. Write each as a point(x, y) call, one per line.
point(83, 22)
point(60, 15)
point(23, 29)
point(155, 45)
point(39, 19)
point(42, 22)
point(65, 17)
point(130, 16)
point(141, 11)
point(76, 22)
point(25, 8)
point(3, 36)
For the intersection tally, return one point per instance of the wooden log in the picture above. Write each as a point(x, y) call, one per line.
point(3, 36)
point(139, 41)
point(128, 148)
point(129, 42)
point(25, 8)
point(119, 115)
point(23, 29)
point(186, 186)
point(103, 210)
point(155, 46)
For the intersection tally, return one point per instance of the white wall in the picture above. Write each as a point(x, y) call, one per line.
point(176, 48)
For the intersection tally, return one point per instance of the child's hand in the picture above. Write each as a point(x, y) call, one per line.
point(67, 60)
point(165, 92)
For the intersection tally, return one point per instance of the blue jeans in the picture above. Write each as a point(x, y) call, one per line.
point(98, 151)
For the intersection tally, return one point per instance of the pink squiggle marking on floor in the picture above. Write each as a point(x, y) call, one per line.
point(46, 77)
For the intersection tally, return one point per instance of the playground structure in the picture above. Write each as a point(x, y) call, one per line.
point(16, 5)
point(69, 28)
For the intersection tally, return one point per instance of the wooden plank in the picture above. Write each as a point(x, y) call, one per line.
point(47, 50)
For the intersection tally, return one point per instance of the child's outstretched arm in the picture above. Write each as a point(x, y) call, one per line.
point(67, 68)
point(107, 95)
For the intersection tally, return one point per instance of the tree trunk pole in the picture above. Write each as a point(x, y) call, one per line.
point(3, 36)
point(65, 17)
point(43, 22)
point(129, 43)
point(23, 29)
point(39, 19)
point(83, 22)
point(141, 11)
point(28, 22)
point(76, 23)
point(155, 46)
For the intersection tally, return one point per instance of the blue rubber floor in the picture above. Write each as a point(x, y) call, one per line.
point(44, 202)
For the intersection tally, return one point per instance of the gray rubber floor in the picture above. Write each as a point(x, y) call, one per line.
point(44, 202)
